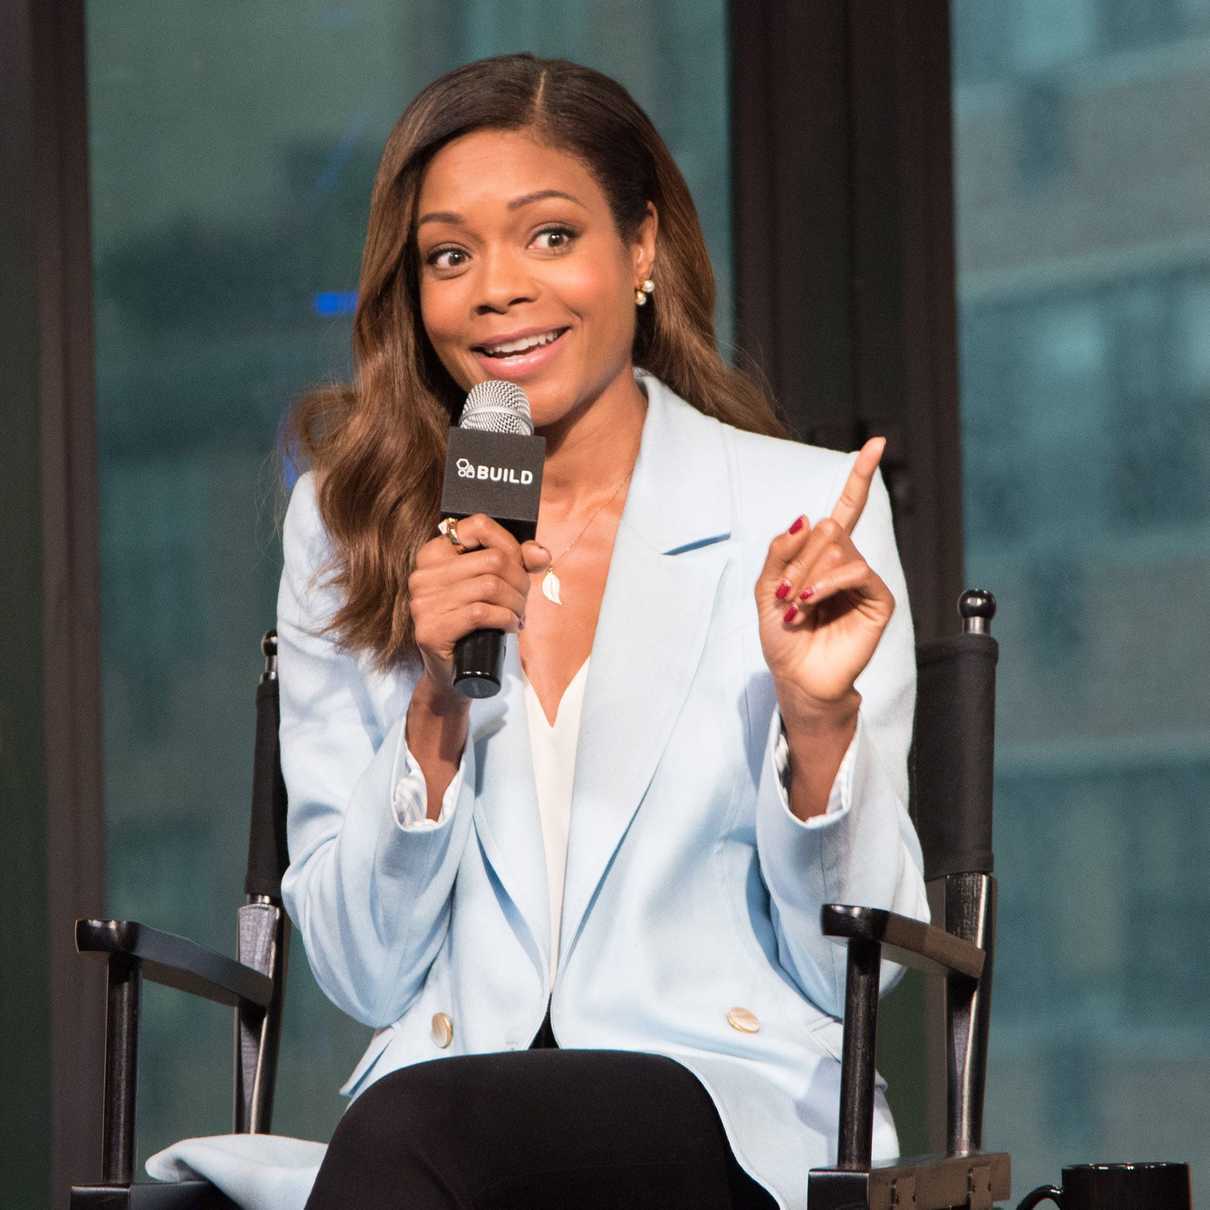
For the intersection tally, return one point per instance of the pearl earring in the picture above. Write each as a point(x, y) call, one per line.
point(640, 295)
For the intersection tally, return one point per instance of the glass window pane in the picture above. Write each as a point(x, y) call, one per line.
point(232, 153)
point(1084, 282)
point(1045, 33)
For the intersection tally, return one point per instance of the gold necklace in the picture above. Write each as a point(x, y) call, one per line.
point(550, 582)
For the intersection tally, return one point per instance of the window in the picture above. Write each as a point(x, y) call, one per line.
point(1085, 345)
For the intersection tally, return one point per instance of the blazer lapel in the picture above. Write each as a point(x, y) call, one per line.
point(656, 612)
point(507, 819)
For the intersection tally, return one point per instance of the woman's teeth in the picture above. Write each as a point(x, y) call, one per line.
point(515, 347)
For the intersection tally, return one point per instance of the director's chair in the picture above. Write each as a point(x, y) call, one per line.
point(951, 806)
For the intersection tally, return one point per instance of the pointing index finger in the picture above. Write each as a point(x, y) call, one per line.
point(856, 490)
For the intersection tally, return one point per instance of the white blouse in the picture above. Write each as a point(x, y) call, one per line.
point(554, 753)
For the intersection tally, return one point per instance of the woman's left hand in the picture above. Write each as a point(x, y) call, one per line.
point(822, 608)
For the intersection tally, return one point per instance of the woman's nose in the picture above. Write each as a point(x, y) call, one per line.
point(503, 281)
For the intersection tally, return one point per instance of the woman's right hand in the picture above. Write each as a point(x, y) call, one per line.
point(450, 594)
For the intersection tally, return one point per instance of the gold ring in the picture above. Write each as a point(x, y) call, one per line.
point(449, 527)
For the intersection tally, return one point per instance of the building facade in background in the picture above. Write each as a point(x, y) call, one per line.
point(1083, 197)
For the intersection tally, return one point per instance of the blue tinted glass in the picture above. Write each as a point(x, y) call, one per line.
point(1084, 257)
point(232, 152)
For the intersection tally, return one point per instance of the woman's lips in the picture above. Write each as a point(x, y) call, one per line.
point(519, 365)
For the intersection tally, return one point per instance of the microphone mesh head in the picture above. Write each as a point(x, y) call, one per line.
point(496, 406)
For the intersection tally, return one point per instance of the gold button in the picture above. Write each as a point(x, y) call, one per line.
point(743, 1019)
point(443, 1029)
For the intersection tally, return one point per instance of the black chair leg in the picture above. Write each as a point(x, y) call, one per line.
point(857, 1071)
point(125, 979)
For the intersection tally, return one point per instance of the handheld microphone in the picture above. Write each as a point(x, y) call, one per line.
point(493, 465)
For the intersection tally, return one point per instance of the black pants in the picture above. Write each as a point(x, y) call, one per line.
point(542, 1129)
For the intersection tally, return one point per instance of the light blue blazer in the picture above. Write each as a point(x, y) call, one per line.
point(690, 888)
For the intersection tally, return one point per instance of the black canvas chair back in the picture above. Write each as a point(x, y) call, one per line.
point(264, 928)
point(951, 777)
point(252, 984)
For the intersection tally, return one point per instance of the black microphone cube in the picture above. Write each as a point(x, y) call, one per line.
point(499, 474)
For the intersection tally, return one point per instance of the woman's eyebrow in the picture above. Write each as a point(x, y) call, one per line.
point(439, 216)
point(449, 216)
point(527, 198)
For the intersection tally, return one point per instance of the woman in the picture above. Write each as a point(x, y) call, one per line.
point(716, 655)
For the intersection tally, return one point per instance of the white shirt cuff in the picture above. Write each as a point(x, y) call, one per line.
point(840, 794)
point(409, 799)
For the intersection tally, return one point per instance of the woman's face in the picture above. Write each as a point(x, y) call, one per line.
point(523, 274)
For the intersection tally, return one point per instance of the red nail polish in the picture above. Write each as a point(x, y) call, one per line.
point(783, 590)
point(796, 526)
point(806, 594)
point(790, 614)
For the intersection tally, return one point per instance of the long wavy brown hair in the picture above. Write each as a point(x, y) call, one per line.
point(377, 445)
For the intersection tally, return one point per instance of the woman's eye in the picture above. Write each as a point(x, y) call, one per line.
point(445, 258)
point(554, 239)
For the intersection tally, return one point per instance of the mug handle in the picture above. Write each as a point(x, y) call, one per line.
point(1040, 1194)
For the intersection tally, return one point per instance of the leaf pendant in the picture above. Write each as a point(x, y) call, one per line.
point(550, 586)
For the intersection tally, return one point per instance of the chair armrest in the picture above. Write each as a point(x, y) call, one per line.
point(904, 940)
point(176, 961)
